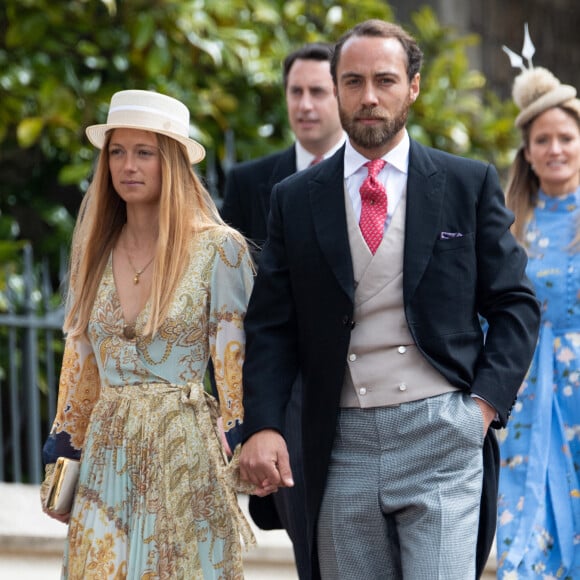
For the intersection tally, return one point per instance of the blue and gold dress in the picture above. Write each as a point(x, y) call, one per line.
point(538, 533)
point(156, 495)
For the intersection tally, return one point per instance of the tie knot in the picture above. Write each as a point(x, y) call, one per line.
point(375, 166)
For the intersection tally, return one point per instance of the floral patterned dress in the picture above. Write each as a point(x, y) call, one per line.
point(538, 532)
point(156, 495)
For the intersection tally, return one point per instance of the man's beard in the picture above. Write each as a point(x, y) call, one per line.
point(368, 137)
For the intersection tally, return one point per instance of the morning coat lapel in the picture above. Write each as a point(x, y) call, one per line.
point(326, 195)
point(425, 194)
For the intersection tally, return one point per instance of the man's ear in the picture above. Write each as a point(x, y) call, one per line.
point(414, 87)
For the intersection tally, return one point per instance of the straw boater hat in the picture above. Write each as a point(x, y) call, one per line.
point(149, 111)
point(536, 89)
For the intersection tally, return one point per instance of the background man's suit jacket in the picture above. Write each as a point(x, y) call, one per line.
point(248, 188)
point(246, 207)
point(300, 312)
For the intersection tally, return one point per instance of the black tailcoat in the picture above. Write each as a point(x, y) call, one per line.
point(301, 310)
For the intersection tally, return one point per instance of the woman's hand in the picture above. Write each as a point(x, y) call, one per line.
point(224, 441)
point(44, 491)
point(64, 518)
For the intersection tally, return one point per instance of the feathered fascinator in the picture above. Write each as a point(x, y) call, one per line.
point(536, 89)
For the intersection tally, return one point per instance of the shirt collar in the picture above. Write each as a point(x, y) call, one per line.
point(304, 158)
point(397, 157)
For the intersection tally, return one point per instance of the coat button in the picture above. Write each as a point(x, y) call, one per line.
point(402, 349)
point(352, 357)
point(402, 387)
point(362, 391)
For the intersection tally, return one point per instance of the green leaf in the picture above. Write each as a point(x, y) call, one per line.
point(29, 130)
point(72, 174)
point(144, 30)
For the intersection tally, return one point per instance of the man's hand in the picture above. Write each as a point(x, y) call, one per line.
point(264, 462)
point(488, 412)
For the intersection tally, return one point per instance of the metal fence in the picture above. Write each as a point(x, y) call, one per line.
point(30, 356)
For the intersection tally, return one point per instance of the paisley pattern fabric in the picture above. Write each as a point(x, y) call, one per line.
point(156, 495)
point(538, 532)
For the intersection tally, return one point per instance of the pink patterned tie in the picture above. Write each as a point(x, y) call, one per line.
point(374, 205)
point(316, 160)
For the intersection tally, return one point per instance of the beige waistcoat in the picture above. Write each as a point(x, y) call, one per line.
point(384, 365)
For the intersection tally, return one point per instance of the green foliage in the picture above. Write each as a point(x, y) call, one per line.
point(454, 111)
point(61, 60)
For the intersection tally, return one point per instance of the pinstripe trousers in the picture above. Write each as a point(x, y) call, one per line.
point(403, 492)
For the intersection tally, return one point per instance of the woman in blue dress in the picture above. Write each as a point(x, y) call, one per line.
point(158, 287)
point(538, 533)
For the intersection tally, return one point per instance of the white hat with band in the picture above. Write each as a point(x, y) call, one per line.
point(148, 111)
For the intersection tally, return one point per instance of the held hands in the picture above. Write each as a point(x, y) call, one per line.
point(265, 463)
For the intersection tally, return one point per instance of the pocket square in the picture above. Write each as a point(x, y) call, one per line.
point(450, 235)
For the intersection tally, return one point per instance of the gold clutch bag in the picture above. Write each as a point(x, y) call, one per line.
point(63, 486)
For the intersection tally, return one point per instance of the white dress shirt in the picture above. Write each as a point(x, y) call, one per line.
point(393, 175)
point(304, 158)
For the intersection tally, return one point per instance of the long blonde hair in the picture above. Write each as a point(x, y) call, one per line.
point(185, 208)
point(523, 185)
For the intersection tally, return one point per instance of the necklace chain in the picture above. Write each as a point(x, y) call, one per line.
point(137, 272)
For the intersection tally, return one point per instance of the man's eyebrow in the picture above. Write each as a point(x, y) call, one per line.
point(350, 75)
point(385, 73)
point(313, 87)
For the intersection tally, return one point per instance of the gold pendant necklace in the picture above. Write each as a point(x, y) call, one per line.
point(138, 272)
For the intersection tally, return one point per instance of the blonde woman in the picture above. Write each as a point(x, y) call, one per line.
point(158, 286)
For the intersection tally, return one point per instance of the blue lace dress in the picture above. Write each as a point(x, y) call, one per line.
point(538, 532)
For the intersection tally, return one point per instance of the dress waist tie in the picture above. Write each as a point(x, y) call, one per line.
point(206, 410)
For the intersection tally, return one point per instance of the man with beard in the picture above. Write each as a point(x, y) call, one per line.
point(377, 266)
point(314, 120)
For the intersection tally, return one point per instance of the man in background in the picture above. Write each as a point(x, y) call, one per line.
point(314, 119)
